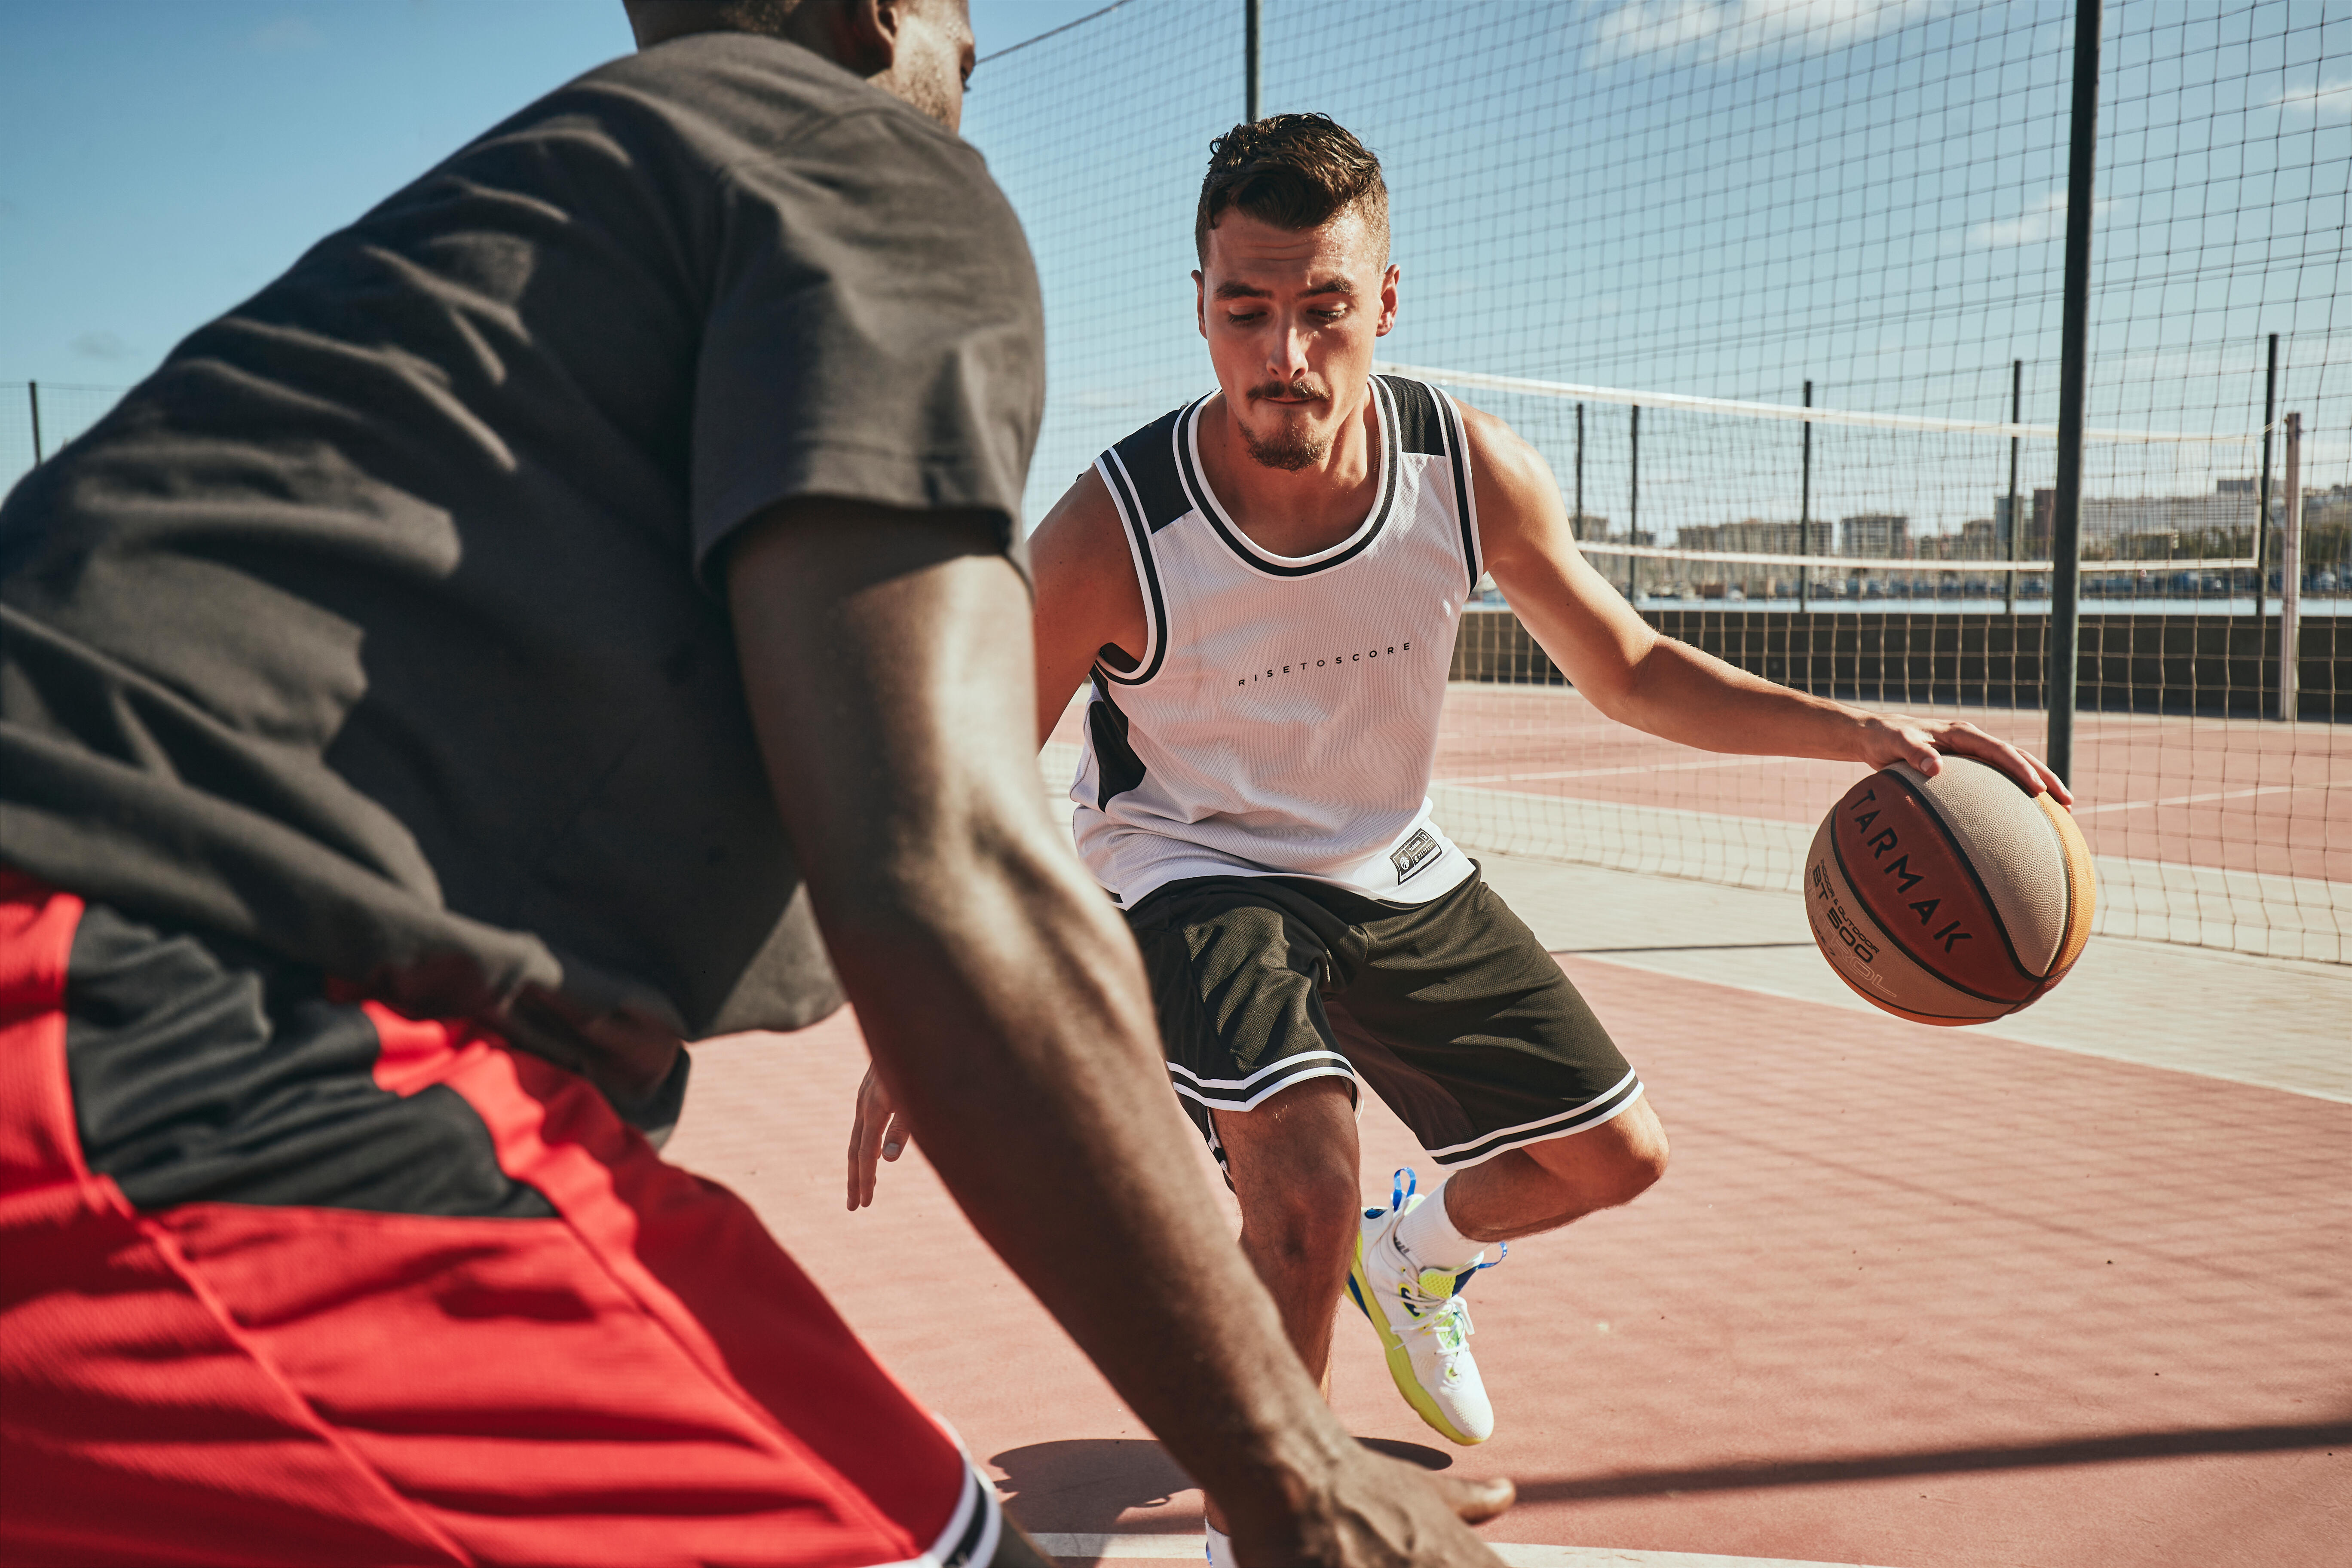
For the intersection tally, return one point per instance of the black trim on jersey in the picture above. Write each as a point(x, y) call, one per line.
point(1419, 427)
point(1116, 767)
point(1132, 514)
point(1151, 465)
point(1459, 458)
point(1205, 504)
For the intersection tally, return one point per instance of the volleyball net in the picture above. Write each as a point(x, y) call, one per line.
point(1649, 236)
point(1896, 562)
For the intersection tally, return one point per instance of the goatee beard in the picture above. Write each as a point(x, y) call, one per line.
point(1288, 449)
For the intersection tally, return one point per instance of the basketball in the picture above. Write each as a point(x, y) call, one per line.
point(1952, 899)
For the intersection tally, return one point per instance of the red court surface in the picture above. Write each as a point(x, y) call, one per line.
point(2229, 793)
point(1906, 1298)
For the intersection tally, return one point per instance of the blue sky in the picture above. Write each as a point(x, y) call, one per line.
point(1716, 196)
point(159, 160)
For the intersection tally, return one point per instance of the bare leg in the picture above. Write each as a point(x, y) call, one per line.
point(1293, 1162)
point(1545, 1186)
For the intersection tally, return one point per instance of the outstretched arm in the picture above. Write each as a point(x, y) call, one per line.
point(1663, 686)
point(893, 693)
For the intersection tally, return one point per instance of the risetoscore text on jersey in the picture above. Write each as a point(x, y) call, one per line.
point(1302, 666)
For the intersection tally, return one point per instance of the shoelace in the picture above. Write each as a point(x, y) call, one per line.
point(1436, 1316)
point(1404, 1183)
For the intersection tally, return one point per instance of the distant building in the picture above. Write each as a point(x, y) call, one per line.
point(1974, 541)
point(2141, 528)
point(1753, 536)
point(1875, 535)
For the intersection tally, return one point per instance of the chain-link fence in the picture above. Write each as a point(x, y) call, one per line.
point(1862, 211)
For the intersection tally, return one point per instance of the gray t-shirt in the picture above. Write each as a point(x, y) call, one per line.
point(383, 626)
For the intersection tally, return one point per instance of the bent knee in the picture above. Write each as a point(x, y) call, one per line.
point(1637, 1157)
point(1310, 1217)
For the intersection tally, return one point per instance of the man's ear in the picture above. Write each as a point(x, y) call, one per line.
point(859, 35)
point(1201, 304)
point(1389, 281)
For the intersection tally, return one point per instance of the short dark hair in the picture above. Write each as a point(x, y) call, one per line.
point(1293, 171)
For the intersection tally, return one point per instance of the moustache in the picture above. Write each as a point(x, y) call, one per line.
point(1309, 390)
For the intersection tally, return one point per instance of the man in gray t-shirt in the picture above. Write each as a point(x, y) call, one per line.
point(473, 666)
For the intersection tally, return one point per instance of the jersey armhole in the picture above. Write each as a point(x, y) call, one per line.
point(1465, 490)
point(1124, 500)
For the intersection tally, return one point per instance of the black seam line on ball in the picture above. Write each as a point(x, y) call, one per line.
point(1896, 943)
point(1952, 840)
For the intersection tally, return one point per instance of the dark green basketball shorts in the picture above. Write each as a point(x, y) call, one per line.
point(1452, 1010)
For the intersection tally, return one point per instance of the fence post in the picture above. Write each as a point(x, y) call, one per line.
point(2016, 416)
point(2290, 572)
point(2062, 653)
point(1250, 25)
point(1633, 512)
point(1579, 529)
point(2261, 532)
point(33, 393)
point(1805, 518)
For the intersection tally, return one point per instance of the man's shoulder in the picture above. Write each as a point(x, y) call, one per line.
point(730, 73)
point(738, 98)
point(1428, 422)
point(1145, 470)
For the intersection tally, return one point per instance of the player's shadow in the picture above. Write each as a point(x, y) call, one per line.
point(1085, 1486)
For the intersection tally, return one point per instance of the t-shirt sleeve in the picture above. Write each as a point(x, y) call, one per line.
point(875, 332)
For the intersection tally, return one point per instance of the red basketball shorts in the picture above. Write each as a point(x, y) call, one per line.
point(287, 1279)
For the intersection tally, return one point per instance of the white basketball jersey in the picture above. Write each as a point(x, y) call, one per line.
point(1283, 718)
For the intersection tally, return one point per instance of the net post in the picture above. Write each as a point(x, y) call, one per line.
point(2060, 654)
point(1633, 510)
point(2291, 573)
point(2016, 416)
point(1805, 518)
point(2261, 531)
point(1251, 21)
point(1579, 529)
point(33, 396)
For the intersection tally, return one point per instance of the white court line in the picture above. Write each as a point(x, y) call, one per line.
point(1194, 1548)
point(1612, 773)
point(2195, 799)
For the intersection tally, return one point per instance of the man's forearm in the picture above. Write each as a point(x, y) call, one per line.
point(1680, 693)
point(887, 667)
point(1007, 1014)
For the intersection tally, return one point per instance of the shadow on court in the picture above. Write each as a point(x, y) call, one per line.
point(1085, 1486)
point(2122, 1446)
point(1907, 1296)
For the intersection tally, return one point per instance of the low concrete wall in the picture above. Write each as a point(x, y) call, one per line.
point(2131, 663)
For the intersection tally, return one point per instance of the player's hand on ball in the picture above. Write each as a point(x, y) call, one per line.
point(1899, 738)
point(1380, 1512)
point(878, 1133)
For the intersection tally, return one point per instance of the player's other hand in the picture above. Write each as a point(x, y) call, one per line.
point(1381, 1513)
point(878, 1132)
point(1891, 738)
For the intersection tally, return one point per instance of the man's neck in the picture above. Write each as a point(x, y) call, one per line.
point(1294, 511)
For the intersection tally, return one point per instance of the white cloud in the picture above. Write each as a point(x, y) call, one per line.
point(285, 36)
point(102, 344)
point(1718, 29)
point(2044, 219)
point(2326, 99)
point(2036, 224)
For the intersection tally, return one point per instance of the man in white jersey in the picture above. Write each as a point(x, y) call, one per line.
point(1263, 587)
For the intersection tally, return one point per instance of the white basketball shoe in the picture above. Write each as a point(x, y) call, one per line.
point(1422, 1322)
